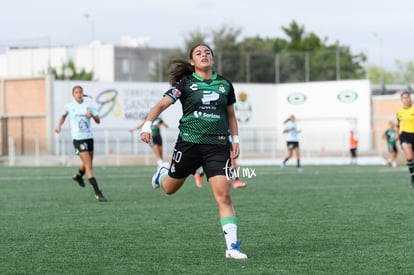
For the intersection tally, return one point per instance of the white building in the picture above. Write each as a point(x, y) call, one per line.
point(132, 62)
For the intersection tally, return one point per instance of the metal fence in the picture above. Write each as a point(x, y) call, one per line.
point(254, 67)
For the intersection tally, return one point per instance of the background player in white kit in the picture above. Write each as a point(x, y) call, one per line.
point(80, 112)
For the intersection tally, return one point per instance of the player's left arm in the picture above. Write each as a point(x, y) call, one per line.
point(234, 132)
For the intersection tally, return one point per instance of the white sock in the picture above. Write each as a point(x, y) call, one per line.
point(230, 234)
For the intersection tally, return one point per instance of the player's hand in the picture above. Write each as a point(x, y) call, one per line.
point(146, 132)
point(146, 137)
point(235, 152)
point(57, 130)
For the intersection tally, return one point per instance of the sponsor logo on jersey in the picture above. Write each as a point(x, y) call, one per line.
point(199, 114)
point(208, 97)
point(194, 87)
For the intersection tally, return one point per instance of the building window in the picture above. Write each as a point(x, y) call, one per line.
point(126, 66)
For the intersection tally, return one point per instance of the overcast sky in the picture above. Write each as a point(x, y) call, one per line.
point(382, 29)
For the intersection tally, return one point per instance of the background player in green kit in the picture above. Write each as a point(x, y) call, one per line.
point(390, 136)
point(80, 112)
point(156, 142)
point(205, 127)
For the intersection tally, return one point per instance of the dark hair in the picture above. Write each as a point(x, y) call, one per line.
point(76, 87)
point(190, 54)
point(405, 93)
point(80, 87)
point(179, 69)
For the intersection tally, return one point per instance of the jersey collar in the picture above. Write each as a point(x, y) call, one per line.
point(213, 77)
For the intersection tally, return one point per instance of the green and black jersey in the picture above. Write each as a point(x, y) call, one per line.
point(204, 104)
point(155, 126)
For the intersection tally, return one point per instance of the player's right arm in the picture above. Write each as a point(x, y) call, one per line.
point(61, 121)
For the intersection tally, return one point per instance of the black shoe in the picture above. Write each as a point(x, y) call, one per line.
point(100, 197)
point(79, 180)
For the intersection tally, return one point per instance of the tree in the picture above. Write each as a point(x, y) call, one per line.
point(195, 37)
point(229, 61)
point(404, 73)
point(377, 75)
point(69, 71)
point(260, 59)
point(301, 57)
point(306, 57)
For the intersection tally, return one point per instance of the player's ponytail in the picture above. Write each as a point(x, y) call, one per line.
point(179, 69)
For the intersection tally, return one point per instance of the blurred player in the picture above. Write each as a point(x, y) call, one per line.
point(390, 136)
point(290, 129)
point(353, 146)
point(156, 142)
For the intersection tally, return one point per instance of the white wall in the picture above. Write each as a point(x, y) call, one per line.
point(325, 111)
point(3, 65)
point(97, 58)
point(34, 61)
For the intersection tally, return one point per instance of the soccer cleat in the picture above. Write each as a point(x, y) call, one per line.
point(299, 170)
point(198, 180)
point(160, 171)
point(100, 197)
point(239, 184)
point(282, 166)
point(79, 180)
point(235, 252)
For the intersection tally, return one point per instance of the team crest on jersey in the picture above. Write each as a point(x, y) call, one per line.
point(221, 88)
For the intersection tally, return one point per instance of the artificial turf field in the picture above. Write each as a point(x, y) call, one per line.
point(326, 220)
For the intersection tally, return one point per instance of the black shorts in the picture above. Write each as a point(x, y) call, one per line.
point(292, 144)
point(353, 152)
point(392, 148)
point(156, 140)
point(83, 145)
point(188, 157)
point(407, 138)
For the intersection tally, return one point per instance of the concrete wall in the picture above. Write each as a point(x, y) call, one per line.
point(23, 112)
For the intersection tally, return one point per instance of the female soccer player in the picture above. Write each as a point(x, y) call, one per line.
point(208, 118)
point(389, 136)
point(80, 112)
point(405, 131)
point(353, 146)
point(156, 142)
point(290, 129)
